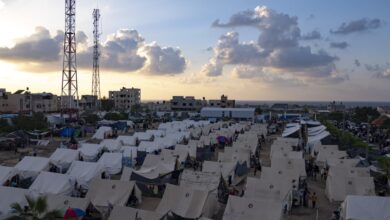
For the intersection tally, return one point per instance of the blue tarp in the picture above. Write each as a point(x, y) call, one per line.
point(67, 132)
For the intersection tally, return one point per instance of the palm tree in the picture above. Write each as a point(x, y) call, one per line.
point(36, 210)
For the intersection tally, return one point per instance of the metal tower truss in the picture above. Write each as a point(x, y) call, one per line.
point(69, 93)
point(96, 55)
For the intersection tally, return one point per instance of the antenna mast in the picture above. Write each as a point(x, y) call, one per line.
point(96, 55)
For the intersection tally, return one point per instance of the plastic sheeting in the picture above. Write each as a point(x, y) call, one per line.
point(252, 209)
point(90, 152)
point(183, 201)
point(10, 195)
point(149, 146)
point(52, 183)
point(112, 145)
point(84, 172)
point(102, 133)
point(191, 149)
point(199, 180)
point(63, 158)
point(32, 166)
point(111, 163)
point(127, 140)
point(225, 169)
point(291, 130)
point(155, 166)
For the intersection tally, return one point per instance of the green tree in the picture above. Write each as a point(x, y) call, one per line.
point(36, 210)
point(91, 118)
point(384, 164)
point(258, 110)
point(362, 114)
point(386, 124)
point(5, 127)
point(37, 121)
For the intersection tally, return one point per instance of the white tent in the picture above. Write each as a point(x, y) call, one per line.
point(166, 142)
point(292, 167)
point(349, 163)
point(287, 155)
point(365, 208)
point(252, 209)
point(291, 130)
point(183, 201)
point(156, 133)
point(128, 140)
point(62, 158)
point(8, 196)
point(225, 169)
point(325, 155)
point(191, 149)
point(102, 133)
point(112, 145)
point(180, 154)
point(111, 163)
point(199, 180)
point(143, 136)
point(276, 189)
point(234, 155)
point(51, 183)
point(205, 140)
point(6, 173)
point(106, 193)
point(130, 152)
point(316, 130)
point(90, 152)
point(318, 137)
point(84, 172)
point(31, 166)
point(343, 181)
point(155, 166)
point(149, 146)
point(64, 202)
point(318, 147)
point(121, 212)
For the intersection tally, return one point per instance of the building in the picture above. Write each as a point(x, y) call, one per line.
point(160, 106)
point(125, 98)
point(187, 103)
point(24, 101)
point(88, 102)
point(224, 102)
point(231, 113)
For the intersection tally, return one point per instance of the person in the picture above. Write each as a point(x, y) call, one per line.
point(314, 200)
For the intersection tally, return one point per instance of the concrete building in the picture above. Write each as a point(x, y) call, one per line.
point(187, 103)
point(24, 101)
point(224, 102)
point(231, 113)
point(125, 98)
point(160, 106)
point(88, 102)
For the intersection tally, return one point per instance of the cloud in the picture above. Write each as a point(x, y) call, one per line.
point(357, 63)
point(36, 48)
point(313, 35)
point(379, 71)
point(277, 48)
point(360, 25)
point(124, 51)
point(1, 4)
point(339, 45)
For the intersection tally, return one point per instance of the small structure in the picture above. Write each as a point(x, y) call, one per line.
point(232, 113)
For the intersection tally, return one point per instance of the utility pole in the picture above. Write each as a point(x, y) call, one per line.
point(69, 88)
point(96, 56)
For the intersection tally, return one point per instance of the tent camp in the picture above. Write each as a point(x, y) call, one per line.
point(329, 154)
point(62, 203)
point(225, 169)
point(122, 212)
point(10, 195)
point(252, 209)
point(52, 183)
point(6, 173)
point(111, 163)
point(155, 166)
point(149, 146)
point(90, 152)
point(84, 172)
point(365, 208)
point(143, 136)
point(317, 137)
point(191, 149)
point(32, 166)
point(63, 158)
point(234, 155)
point(184, 202)
point(127, 140)
point(287, 155)
point(180, 154)
point(106, 193)
point(293, 167)
point(199, 180)
point(291, 131)
point(156, 133)
point(111, 145)
point(342, 181)
point(102, 133)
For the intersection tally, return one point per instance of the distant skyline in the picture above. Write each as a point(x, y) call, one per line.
point(301, 50)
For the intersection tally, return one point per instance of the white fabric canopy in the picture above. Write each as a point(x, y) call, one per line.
point(6, 173)
point(252, 209)
point(62, 158)
point(112, 145)
point(111, 163)
point(291, 130)
point(365, 208)
point(157, 165)
point(143, 136)
point(8, 196)
point(64, 202)
point(121, 212)
point(180, 154)
point(156, 133)
point(318, 137)
point(199, 180)
point(127, 140)
point(225, 169)
point(32, 166)
point(183, 201)
point(235, 155)
point(191, 149)
point(130, 152)
point(105, 193)
point(84, 172)
point(102, 133)
point(90, 152)
point(52, 183)
point(149, 146)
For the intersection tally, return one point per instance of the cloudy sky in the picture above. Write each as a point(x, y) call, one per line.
point(248, 50)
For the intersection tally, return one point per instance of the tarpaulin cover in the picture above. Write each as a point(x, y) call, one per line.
point(120, 213)
point(90, 152)
point(52, 183)
point(84, 172)
point(64, 202)
point(111, 163)
point(365, 208)
point(32, 166)
point(63, 157)
point(8, 196)
point(6, 173)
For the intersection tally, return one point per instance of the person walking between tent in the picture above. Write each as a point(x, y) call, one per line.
point(313, 200)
